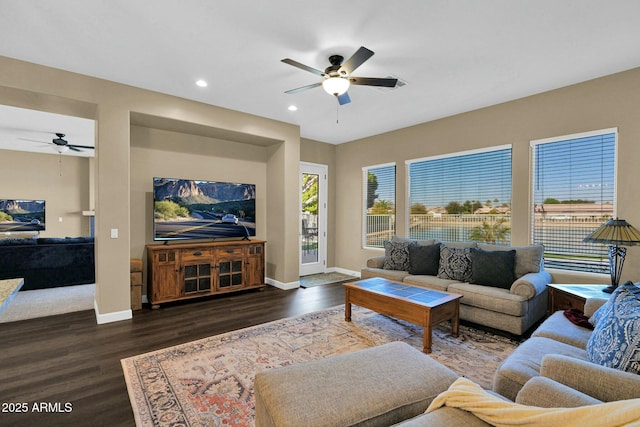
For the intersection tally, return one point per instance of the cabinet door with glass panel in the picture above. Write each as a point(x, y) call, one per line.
point(196, 271)
point(230, 266)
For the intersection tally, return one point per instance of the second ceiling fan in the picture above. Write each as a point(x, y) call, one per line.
point(337, 77)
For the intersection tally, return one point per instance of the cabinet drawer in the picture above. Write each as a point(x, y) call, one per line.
point(230, 251)
point(563, 301)
point(195, 254)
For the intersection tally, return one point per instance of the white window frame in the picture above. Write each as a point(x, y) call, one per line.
point(408, 164)
point(365, 170)
point(536, 142)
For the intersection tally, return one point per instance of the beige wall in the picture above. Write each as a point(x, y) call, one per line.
point(112, 106)
point(26, 175)
point(612, 101)
point(603, 103)
point(159, 153)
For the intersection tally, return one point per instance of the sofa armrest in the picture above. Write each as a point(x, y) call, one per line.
point(601, 382)
point(547, 393)
point(376, 262)
point(592, 304)
point(531, 284)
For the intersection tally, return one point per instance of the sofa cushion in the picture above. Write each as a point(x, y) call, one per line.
point(446, 417)
point(455, 263)
point(493, 268)
point(424, 259)
point(615, 341)
point(559, 328)
point(528, 258)
point(547, 393)
point(600, 382)
point(525, 362)
point(490, 298)
point(417, 242)
point(18, 241)
point(396, 275)
point(431, 282)
point(396, 255)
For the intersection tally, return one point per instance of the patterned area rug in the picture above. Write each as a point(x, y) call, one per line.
point(324, 279)
point(209, 382)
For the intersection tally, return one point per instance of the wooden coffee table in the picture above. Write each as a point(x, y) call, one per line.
point(420, 306)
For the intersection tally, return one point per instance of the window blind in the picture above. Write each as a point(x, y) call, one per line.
point(573, 194)
point(451, 198)
point(379, 183)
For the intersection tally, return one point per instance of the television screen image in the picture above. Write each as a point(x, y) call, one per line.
point(191, 209)
point(21, 215)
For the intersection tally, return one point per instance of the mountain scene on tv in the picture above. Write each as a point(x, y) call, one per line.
point(21, 215)
point(189, 209)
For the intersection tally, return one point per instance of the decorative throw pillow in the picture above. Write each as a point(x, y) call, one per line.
point(615, 341)
point(529, 259)
point(601, 312)
point(396, 255)
point(424, 259)
point(493, 268)
point(455, 263)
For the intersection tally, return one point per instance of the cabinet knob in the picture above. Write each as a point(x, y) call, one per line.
point(197, 253)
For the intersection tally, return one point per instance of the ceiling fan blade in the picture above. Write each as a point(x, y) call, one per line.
point(80, 146)
point(302, 66)
point(34, 140)
point(300, 89)
point(72, 147)
point(356, 60)
point(344, 98)
point(372, 81)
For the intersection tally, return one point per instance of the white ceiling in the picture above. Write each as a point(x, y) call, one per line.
point(30, 130)
point(455, 56)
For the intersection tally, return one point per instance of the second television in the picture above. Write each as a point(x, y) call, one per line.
point(196, 209)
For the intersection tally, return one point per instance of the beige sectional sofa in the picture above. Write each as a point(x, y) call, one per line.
point(513, 308)
point(395, 383)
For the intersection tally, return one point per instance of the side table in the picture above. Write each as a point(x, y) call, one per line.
point(563, 296)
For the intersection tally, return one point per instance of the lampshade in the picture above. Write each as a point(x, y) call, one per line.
point(615, 232)
point(335, 85)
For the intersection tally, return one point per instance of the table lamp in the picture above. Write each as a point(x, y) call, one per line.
point(615, 233)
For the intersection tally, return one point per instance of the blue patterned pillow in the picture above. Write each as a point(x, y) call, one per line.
point(396, 255)
point(455, 263)
point(615, 341)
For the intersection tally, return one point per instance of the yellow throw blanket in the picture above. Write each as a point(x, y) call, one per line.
point(469, 396)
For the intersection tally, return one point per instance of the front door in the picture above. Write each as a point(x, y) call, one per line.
point(313, 218)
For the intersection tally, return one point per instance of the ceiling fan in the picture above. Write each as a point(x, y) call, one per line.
point(337, 77)
point(61, 145)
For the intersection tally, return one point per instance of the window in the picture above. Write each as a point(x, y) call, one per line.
point(462, 196)
point(379, 184)
point(573, 194)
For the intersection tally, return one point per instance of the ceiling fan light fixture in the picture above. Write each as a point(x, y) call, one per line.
point(335, 85)
point(61, 148)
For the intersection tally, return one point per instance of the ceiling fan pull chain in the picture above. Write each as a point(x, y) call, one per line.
point(60, 163)
point(337, 111)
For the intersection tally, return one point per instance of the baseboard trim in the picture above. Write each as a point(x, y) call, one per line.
point(282, 285)
point(343, 271)
point(295, 285)
point(116, 316)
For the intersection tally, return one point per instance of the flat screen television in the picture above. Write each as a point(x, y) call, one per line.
point(192, 209)
point(21, 215)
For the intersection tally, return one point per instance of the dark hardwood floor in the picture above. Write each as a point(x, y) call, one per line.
point(69, 359)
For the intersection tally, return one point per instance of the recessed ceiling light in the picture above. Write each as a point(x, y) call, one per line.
point(202, 83)
point(292, 108)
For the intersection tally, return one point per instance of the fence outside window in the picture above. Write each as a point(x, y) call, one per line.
point(562, 236)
